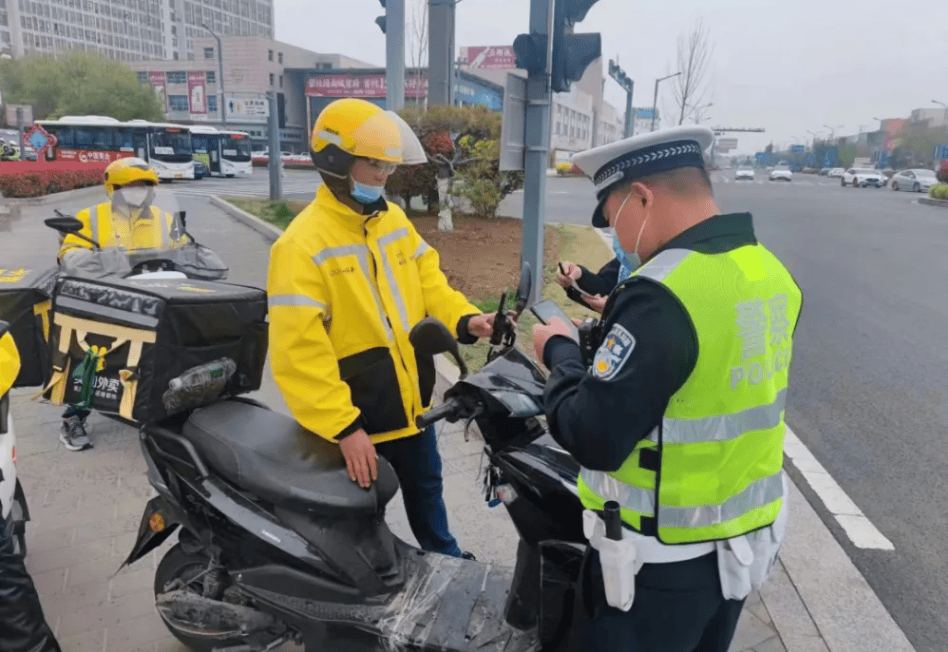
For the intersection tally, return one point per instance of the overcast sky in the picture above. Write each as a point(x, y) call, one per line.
point(788, 67)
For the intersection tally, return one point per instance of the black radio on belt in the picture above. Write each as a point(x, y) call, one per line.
point(590, 337)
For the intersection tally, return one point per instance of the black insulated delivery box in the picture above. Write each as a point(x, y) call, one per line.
point(24, 305)
point(139, 334)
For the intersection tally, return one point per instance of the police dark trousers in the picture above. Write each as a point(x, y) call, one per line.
point(678, 608)
point(23, 627)
point(418, 466)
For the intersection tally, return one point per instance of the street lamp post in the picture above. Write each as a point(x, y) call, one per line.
point(655, 97)
point(833, 130)
point(220, 81)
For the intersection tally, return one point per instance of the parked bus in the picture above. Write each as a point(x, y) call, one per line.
point(98, 138)
point(225, 153)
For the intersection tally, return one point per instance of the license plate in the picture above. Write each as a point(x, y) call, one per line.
point(179, 176)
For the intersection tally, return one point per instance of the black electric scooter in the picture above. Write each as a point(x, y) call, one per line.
point(277, 544)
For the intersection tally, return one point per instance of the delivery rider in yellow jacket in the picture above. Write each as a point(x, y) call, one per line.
point(22, 623)
point(128, 220)
point(348, 280)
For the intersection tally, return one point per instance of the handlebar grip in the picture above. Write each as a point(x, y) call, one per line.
point(436, 414)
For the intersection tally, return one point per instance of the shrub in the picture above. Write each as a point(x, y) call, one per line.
point(37, 182)
point(564, 168)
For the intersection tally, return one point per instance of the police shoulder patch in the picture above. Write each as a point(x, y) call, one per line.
point(612, 354)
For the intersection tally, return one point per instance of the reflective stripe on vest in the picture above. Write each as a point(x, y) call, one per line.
point(719, 445)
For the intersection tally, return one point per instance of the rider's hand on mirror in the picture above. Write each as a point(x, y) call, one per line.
point(567, 273)
point(481, 325)
point(361, 458)
point(543, 332)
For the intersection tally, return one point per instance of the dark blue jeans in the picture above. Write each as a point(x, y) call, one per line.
point(73, 411)
point(418, 466)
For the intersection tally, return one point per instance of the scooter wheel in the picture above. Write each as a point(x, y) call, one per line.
point(177, 564)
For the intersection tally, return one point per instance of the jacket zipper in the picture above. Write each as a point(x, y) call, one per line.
point(378, 287)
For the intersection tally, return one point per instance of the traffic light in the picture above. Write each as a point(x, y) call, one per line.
point(530, 51)
point(380, 21)
point(572, 53)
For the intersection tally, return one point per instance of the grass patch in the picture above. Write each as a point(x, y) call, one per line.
point(277, 213)
point(579, 244)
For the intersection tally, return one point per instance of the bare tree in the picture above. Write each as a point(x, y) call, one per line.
point(418, 41)
point(689, 89)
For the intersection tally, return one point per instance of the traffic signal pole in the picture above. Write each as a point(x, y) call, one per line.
point(395, 55)
point(537, 148)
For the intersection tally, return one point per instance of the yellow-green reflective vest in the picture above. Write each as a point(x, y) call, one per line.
point(718, 451)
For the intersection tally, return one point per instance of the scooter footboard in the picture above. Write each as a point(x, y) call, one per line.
point(454, 605)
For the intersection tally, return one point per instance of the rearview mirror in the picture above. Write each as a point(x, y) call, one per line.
point(64, 225)
point(525, 287)
point(430, 337)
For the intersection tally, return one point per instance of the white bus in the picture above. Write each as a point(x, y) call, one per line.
point(225, 153)
point(99, 138)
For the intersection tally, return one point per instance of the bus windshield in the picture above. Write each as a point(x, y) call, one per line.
point(173, 146)
point(236, 148)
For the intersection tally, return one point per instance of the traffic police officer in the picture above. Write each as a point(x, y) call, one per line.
point(679, 418)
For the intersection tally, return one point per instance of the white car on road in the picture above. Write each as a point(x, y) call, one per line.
point(862, 177)
point(836, 173)
point(781, 173)
point(914, 180)
point(744, 173)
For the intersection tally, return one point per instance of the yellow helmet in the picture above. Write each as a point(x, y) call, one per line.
point(352, 128)
point(128, 170)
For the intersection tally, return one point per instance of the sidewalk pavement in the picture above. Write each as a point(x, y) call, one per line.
point(86, 509)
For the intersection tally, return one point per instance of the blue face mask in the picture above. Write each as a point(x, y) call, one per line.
point(365, 194)
point(628, 263)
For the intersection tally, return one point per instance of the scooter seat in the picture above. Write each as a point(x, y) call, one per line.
point(274, 457)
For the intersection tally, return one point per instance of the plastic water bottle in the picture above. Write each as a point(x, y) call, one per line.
point(205, 374)
point(198, 386)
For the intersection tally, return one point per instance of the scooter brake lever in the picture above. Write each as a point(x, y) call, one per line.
point(470, 420)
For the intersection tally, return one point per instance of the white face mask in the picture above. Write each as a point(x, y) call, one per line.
point(135, 196)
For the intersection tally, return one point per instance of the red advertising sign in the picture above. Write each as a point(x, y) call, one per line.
point(86, 156)
point(39, 139)
point(197, 93)
point(494, 57)
point(157, 80)
point(361, 86)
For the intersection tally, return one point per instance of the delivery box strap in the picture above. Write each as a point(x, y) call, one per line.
point(129, 380)
point(41, 310)
point(68, 323)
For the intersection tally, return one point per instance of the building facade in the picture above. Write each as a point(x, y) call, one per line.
point(127, 30)
point(190, 93)
point(643, 120)
point(611, 125)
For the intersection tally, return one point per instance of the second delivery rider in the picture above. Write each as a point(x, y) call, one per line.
point(348, 280)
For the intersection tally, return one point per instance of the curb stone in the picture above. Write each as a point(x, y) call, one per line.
point(270, 233)
point(941, 203)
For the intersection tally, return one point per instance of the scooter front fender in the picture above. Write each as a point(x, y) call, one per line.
point(158, 522)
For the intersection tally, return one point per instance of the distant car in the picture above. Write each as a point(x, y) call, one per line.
point(824, 172)
point(200, 170)
point(914, 180)
point(781, 173)
point(744, 173)
point(861, 177)
point(836, 173)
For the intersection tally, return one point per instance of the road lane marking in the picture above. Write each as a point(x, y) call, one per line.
point(858, 528)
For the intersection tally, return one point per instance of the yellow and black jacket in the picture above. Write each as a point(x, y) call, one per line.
point(345, 289)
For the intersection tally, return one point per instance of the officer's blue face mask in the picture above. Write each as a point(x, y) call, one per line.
point(365, 194)
point(628, 261)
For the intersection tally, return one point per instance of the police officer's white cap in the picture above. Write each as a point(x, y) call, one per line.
point(641, 156)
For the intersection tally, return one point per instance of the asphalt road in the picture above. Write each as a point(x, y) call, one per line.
point(868, 393)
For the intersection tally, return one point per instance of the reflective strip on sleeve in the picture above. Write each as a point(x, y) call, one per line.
point(724, 427)
point(420, 251)
point(361, 252)
point(295, 300)
point(385, 241)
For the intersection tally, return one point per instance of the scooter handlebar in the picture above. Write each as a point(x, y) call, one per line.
point(444, 410)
